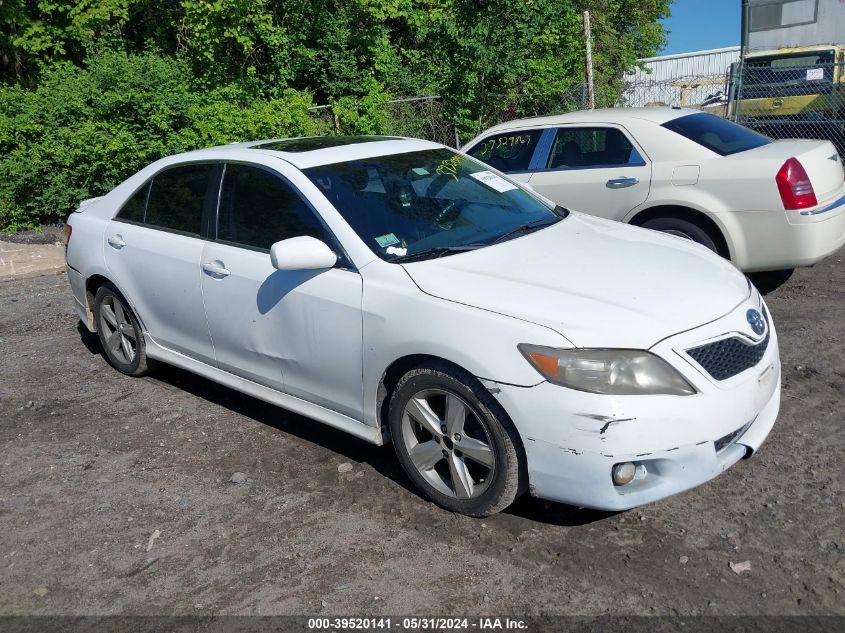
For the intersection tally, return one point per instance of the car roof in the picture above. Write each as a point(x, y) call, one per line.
point(311, 151)
point(655, 114)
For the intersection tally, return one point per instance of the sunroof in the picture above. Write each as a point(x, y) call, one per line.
point(319, 142)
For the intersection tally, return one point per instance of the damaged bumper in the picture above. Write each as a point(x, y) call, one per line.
point(573, 439)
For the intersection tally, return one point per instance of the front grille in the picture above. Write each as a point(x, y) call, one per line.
point(730, 356)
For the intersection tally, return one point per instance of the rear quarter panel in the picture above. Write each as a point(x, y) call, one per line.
point(85, 258)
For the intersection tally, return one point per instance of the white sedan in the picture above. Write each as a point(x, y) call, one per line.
point(404, 293)
point(765, 205)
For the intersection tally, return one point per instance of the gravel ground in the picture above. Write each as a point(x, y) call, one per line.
point(116, 498)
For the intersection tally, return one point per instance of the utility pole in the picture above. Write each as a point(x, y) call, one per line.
point(588, 41)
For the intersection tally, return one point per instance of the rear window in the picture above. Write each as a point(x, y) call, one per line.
point(177, 196)
point(717, 135)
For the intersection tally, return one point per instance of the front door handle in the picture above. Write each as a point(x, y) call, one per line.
point(621, 183)
point(216, 268)
point(116, 241)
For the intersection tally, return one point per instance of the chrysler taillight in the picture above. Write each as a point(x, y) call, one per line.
point(796, 190)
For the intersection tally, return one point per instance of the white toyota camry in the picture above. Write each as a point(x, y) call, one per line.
point(768, 206)
point(405, 293)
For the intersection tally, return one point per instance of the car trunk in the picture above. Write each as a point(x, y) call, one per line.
point(819, 159)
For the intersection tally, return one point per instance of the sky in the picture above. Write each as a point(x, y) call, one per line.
point(697, 25)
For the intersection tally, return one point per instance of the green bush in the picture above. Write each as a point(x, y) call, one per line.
point(83, 131)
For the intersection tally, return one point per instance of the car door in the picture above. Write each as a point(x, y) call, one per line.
point(153, 248)
point(510, 152)
point(597, 169)
point(297, 331)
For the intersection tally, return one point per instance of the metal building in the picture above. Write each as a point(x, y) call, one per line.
point(774, 24)
point(685, 79)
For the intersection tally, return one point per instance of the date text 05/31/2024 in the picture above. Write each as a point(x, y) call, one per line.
point(416, 624)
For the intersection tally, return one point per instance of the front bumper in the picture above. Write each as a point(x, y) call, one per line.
point(572, 439)
point(774, 240)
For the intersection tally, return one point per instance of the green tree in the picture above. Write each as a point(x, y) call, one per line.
point(96, 88)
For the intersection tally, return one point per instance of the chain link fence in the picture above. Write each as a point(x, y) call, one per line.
point(777, 97)
point(428, 117)
point(705, 92)
point(500, 108)
point(417, 117)
point(786, 97)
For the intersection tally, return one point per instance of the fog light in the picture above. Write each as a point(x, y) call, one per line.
point(623, 473)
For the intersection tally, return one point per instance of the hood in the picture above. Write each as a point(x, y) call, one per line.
point(596, 282)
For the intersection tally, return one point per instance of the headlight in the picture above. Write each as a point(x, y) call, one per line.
point(608, 371)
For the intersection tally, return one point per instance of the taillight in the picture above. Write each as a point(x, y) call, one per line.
point(796, 190)
point(68, 232)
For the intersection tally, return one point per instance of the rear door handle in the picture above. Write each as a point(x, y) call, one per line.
point(216, 268)
point(116, 242)
point(621, 183)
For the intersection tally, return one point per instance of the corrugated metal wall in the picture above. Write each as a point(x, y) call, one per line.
point(827, 28)
point(684, 79)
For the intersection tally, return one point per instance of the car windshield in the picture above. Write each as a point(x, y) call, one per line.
point(428, 203)
point(717, 135)
point(796, 74)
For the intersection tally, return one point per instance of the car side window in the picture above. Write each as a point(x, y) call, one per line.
point(258, 208)
point(177, 197)
point(511, 151)
point(576, 147)
point(133, 210)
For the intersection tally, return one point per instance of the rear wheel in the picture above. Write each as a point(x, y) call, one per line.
point(682, 228)
point(120, 333)
point(455, 442)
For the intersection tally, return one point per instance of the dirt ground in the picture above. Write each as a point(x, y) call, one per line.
point(94, 464)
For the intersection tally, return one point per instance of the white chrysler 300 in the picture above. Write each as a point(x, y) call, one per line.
point(765, 205)
point(403, 292)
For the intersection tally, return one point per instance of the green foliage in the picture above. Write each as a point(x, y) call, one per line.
point(95, 89)
point(83, 131)
point(365, 114)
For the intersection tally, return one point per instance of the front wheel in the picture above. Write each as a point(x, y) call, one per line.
point(455, 442)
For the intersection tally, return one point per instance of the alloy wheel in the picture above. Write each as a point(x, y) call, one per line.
point(448, 443)
point(120, 335)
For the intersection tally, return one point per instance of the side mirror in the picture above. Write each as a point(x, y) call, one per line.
point(302, 253)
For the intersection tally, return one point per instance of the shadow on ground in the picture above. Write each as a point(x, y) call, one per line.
point(380, 458)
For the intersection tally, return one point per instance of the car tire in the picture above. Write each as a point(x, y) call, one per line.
point(770, 280)
point(682, 228)
point(476, 467)
point(120, 332)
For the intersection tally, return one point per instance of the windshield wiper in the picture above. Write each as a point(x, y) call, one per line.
point(529, 227)
point(435, 252)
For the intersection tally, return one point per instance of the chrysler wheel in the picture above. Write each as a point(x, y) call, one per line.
point(119, 332)
point(454, 441)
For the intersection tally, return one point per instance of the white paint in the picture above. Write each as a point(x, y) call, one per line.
point(495, 182)
point(317, 342)
point(737, 192)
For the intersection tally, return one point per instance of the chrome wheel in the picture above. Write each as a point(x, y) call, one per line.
point(119, 335)
point(448, 443)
